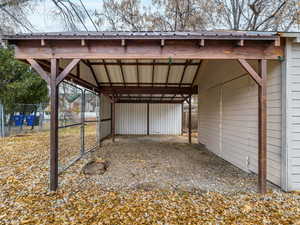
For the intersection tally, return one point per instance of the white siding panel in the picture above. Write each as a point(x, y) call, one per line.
point(228, 115)
point(165, 119)
point(131, 119)
point(292, 122)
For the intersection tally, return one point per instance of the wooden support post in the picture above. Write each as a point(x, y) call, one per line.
point(113, 119)
point(148, 119)
point(54, 126)
point(190, 119)
point(261, 79)
point(182, 119)
point(262, 126)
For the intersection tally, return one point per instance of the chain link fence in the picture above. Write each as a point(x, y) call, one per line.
point(78, 122)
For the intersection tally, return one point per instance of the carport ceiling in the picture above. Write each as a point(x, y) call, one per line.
point(139, 80)
point(141, 66)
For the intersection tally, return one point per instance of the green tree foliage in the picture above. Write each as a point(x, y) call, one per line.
point(19, 83)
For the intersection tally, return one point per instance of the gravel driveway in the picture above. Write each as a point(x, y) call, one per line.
point(168, 163)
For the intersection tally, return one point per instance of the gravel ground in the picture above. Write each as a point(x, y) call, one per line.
point(81, 199)
point(169, 163)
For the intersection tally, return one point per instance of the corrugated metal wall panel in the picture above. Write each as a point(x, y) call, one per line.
point(131, 118)
point(292, 122)
point(228, 119)
point(105, 113)
point(165, 119)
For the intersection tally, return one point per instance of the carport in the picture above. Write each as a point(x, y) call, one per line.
point(154, 68)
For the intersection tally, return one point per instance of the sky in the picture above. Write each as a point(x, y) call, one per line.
point(42, 15)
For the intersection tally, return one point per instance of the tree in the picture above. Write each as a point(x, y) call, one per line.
point(179, 15)
point(18, 83)
point(13, 16)
point(255, 15)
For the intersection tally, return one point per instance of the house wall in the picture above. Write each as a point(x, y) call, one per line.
point(105, 113)
point(291, 109)
point(228, 115)
point(163, 119)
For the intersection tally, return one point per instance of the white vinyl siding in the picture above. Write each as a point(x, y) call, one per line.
point(131, 118)
point(228, 116)
point(165, 119)
point(292, 110)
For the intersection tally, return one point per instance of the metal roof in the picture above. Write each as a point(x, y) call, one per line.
point(111, 35)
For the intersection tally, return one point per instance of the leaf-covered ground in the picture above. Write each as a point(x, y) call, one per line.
point(24, 196)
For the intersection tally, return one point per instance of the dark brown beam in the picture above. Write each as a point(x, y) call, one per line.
point(167, 77)
point(153, 72)
point(183, 72)
point(248, 68)
point(87, 63)
point(150, 101)
point(137, 73)
point(78, 70)
point(152, 97)
point(146, 84)
point(197, 71)
point(190, 120)
point(66, 71)
point(122, 73)
point(141, 63)
point(107, 72)
point(262, 124)
point(54, 126)
point(71, 77)
point(35, 65)
point(113, 118)
point(148, 90)
point(150, 49)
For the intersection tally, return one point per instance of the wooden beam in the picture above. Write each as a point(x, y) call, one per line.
point(142, 63)
point(262, 124)
point(150, 101)
point(92, 71)
point(36, 66)
point(137, 72)
point(54, 126)
point(113, 118)
point(107, 72)
point(183, 72)
point(122, 73)
point(67, 70)
point(190, 119)
point(148, 49)
point(197, 71)
point(148, 90)
point(248, 68)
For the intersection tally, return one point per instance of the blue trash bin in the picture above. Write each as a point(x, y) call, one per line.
point(31, 120)
point(19, 120)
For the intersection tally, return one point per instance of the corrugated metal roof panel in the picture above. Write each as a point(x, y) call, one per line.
point(147, 35)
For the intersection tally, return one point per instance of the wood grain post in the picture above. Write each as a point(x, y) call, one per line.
point(54, 126)
point(262, 126)
point(190, 119)
point(182, 119)
point(113, 122)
